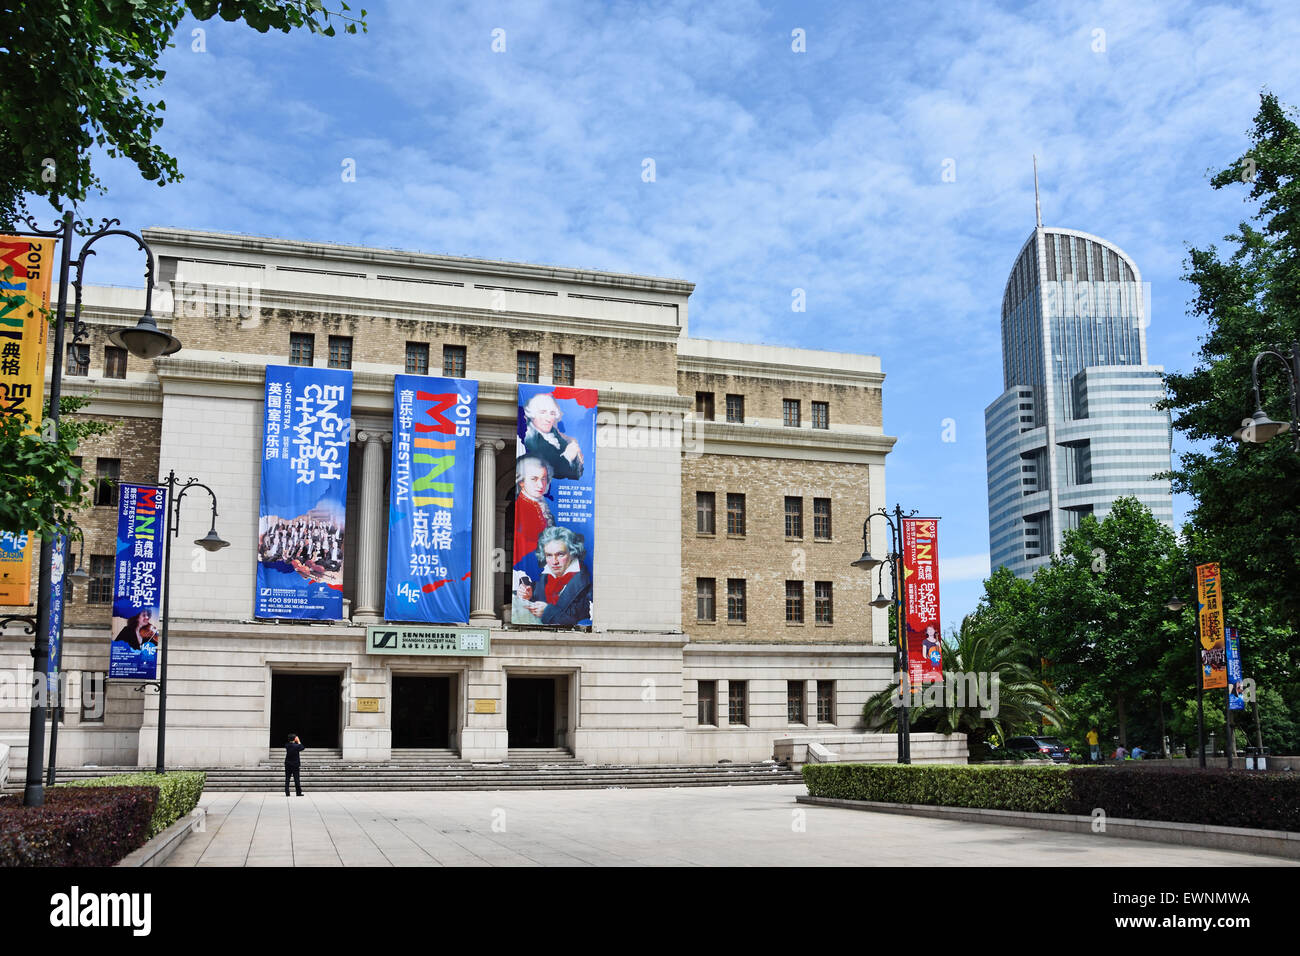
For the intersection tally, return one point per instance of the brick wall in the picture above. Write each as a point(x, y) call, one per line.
point(849, 404)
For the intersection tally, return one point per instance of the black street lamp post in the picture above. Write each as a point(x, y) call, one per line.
point(209, 542)
point(1259, 428)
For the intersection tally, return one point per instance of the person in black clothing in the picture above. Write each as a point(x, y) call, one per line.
point(292, 765)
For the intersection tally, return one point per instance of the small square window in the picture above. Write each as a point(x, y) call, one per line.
point(794, 602)
point(562, 369)
point(736, 599)
point(99, 590)
point(704, 405)
point(704, 508)
point(528, 366)
point(340, 351)
point(793, 517)
point(705, 596)
point(822, 519)
point(114, 362)
point(737, 692)
point(453, 361)
point(735, 513)
point(706, 702)
point(736, 409)
point(302, 347)
point(417, 358)
point(107, 473)
point(821, 414)
point(78, 360)
point(790, 412)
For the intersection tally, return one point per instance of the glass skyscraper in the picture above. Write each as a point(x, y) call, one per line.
point(1076, 426)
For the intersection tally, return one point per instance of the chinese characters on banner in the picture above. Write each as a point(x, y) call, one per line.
point(54, 638)
point(137, 581)
point(1235, 699)
point(1209, 593)
point(23, 328)
point(921, 593)
point(431, 500)
point(306, 430)
point(555, 507)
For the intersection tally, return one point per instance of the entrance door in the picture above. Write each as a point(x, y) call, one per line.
point(306, 705)
point(421, 712)
point(530, 711)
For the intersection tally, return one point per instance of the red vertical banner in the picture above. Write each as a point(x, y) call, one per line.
point(921, 592)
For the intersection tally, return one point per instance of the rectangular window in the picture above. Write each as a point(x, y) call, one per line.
point(529, 363)
point(562, 369)
point(453, 361)
point(78, 360)
point(705, 595)
point(302, 348)
point(107, 472)
point(704, 405)
point(794, 701)
point(822, 519)
point(736, 409)
point(99, 590)
point(793, 517)
point(735, 599)
point(735, 514)
point(340, 351)
point(826, 701)
point(704, 507)
point(822, 598)
point(417, 358)
point(736, 694)
point(790, 412)
point(794, 602)
point(821, 412)
point(706, 702)
point(114, 362)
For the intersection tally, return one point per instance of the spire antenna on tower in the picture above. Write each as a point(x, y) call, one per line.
point(1038, 209)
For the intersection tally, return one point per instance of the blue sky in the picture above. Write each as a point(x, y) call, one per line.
point(774, 169)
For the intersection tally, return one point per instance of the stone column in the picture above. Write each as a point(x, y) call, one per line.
point(482, 598)
point(810, 702)
point(370, 532)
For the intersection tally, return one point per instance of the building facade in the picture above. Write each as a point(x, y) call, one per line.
point(1076, 426)
point(731, 485)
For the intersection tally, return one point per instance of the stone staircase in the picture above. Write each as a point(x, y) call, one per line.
point(443, 770)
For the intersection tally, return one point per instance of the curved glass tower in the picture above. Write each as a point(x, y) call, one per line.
point(1076, 426)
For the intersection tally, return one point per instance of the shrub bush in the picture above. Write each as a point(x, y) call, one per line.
point(179, 792)
point(1233, 798)
point(76, 827)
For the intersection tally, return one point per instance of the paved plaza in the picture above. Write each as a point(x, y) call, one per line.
point(699, 826)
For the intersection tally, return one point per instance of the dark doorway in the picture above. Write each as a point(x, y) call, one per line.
point(306, 705)
point(421, 712)
point(530, 711)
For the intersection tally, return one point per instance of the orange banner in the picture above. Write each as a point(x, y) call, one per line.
point(1214, 658)
point(24, 300)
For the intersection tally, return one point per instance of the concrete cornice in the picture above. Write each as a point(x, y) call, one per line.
point(785, 373)
point(780, 442)
point(263, 246)
point(788, 650)
point(117, 397)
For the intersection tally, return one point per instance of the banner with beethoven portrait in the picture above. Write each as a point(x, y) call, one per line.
point(431, 500)
point(306, 429)
point(137, 581)
point(921, 596)
point(554, 507)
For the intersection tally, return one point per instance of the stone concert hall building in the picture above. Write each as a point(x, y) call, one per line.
point(732, 482)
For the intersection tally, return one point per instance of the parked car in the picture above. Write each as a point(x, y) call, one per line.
point(1050, 747)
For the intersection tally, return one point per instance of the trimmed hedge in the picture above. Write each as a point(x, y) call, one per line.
point(179, 792)
point(1229, 798)
point(76, 827)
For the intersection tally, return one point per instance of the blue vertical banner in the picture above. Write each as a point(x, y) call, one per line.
point(554, 506)
point(306, 430)
point(431, 500)
point(137, 581)
point(54, 639)
point(1236, 701)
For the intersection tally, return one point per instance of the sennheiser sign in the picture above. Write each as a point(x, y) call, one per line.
point(447, 641)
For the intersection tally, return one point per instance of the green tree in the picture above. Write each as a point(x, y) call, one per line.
point(1247, 496)
point(75, 74)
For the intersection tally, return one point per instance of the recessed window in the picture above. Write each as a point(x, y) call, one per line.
point(737, 694)
point(794, 602)
point(78, 360)
point(417, 358)
point(790, 412)
point(821, 415)
point(107, 473)
point(793, 517)
point(704, 508)
point(826, 701)
point(822, 600)
point(528, 365)
point(735, 513)
point(736, 599)
point(340, 351)
point(706, 694)
point(302, 347)
point(705, 597)
point(822, 519)
point(562, 369)
point(99, 590)
point(794, 701)
point(704, 405)
point(114, 362)
point(453, 361)
point(736, 409)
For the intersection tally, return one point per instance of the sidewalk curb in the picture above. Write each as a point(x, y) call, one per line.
point(1240, 839)
point(157, 850)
